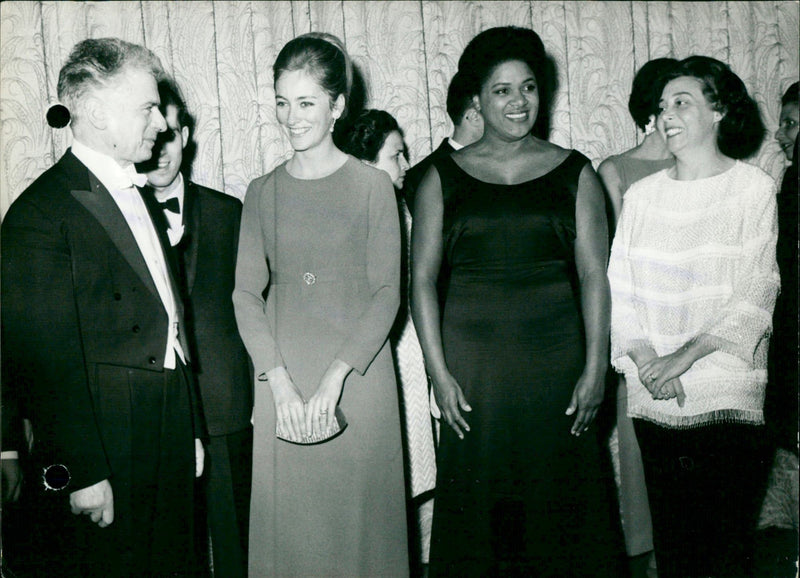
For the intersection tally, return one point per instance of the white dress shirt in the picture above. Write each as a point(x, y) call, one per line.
point(456, 146)
point(120, 183)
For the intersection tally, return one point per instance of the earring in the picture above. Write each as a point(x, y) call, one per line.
point(650, 128)
point(333, 124)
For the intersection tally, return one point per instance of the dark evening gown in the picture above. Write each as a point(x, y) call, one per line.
point(519, 495)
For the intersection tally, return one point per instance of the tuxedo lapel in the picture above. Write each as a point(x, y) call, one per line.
point(191, 231)
point(170, 253)
point(98, 201)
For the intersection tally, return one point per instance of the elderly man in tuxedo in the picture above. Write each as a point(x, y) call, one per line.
point(203, 228)
point(93, 338)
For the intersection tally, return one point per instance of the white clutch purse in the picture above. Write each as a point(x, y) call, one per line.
point(339, 424)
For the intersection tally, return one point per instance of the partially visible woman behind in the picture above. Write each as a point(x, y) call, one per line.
point(693, 283)
point(778, 522)
point(376, 139)
point(512, 231)
point(320, 235)
point(618, 173)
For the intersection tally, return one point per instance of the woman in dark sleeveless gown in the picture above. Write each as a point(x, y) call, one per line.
point(511, 300)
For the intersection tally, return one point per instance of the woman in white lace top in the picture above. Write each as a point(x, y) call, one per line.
point(693, 281)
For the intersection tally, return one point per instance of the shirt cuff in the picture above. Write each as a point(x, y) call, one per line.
point(9, 455)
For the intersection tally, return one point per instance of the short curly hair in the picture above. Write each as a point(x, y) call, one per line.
point(366, 135)
point(495, 46)
point(741, 130)
point(646, 90)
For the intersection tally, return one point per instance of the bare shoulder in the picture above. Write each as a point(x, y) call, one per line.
point(608, 168)
point(547, 147)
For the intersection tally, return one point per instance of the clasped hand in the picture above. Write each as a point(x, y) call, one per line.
point(315, 417)
point(660, 375)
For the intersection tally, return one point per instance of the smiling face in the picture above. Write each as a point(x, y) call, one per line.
point(391, 159)
point(687, 121)
point(509, 100)
point(168, 151)
point(787, 129)
point(305, 110)
point(131, 115)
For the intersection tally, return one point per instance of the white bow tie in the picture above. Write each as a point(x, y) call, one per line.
point(127, 180)
point(137, 179)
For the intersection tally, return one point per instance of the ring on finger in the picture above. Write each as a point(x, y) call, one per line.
point(651, 378)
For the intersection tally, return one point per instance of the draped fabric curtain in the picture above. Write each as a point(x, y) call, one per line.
point(221, 53)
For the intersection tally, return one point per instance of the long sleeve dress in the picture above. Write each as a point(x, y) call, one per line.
point(692, 258)
point(317, 279)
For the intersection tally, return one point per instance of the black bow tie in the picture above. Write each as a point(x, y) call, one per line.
point(171, 205)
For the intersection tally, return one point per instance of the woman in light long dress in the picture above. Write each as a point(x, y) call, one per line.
point(320, 238)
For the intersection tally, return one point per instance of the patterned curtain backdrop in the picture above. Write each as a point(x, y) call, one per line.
point(222, 53)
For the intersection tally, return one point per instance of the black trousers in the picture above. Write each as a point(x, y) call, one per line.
point(705, 486)
point(226, 485)
point(145, 418)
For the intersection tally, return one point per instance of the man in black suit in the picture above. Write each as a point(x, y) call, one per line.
point(93, 339)
point(203, 227)
point(468, 128)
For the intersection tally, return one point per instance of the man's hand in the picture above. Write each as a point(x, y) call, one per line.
point(199, 458)
point(96, 501)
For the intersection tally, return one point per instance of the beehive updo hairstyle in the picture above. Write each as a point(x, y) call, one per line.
point(495, 46)
point(323, 57)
